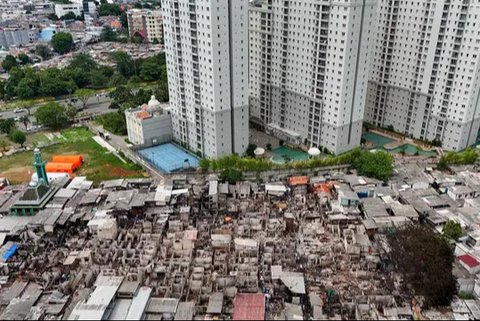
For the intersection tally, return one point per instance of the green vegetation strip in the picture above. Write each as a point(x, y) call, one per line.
point(377, 165)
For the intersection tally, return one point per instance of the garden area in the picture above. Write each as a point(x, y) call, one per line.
point(99, 164)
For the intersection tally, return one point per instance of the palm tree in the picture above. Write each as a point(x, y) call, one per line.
point(25, 120)
point(3, 145)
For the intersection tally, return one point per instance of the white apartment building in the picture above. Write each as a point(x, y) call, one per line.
point(149, 23)
point(309, 69)
point(63, 9)
point(206, 44)
point(424, 75)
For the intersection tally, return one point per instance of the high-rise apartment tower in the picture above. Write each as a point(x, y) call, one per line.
point(424, 75)
point(309, 66)
point(206, 43)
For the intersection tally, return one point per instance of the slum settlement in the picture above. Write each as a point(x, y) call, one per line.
point(196, 248)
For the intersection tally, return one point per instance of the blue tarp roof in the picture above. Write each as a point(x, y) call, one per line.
point(11, 251)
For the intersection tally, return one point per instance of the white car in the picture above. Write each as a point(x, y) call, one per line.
point(19, 110)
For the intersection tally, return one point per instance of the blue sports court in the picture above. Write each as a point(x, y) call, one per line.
point(169, 158)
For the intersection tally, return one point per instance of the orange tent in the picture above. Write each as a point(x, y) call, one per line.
point(60, 168)
point(76, 160)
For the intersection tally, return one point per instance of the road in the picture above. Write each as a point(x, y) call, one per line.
point(94, 105)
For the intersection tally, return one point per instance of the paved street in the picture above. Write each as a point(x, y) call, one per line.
point(94, 105)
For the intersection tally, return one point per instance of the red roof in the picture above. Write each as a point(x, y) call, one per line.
point(298, 180)
point(143, 115)
point(249, 307)
point(469, 260)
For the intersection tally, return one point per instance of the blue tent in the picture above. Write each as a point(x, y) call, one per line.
point(11, 251)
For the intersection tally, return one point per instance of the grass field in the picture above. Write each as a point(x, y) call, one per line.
point(99, 163)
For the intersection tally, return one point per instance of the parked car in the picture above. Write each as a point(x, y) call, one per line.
point(19, 110)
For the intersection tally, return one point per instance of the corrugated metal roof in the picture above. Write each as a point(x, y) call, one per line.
point(139, 304)
point(215, 303)
point(249, 307)
point(120, 310)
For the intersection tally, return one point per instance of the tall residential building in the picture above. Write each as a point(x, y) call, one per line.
point(425, 77)
point(147, 23)
point(309, 69)
point(206, 44)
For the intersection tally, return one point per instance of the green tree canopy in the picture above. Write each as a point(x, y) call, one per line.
point(17, 136)
point(109, 9)
point(377, 165)
point(231, 175)
point(3, 145)
point(125, 65)
point(114, 122)
point(71, 112)
point(251, 150)
point(83, 61)
point(7, 125)
point(62, 42)
point(24, 59)
point(150, 70)
point(51, 115)
point(43, 51)
point(108, 34)
point(452, 230)
point(52, 17)
point(425, 260)
point(9, 62)
point(69, 16)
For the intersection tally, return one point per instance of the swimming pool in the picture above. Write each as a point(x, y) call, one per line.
point(376, 139)
point(169, 157)
point(283, 154)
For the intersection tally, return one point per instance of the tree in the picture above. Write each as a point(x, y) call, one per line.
point(2, 90)
point(107, 9)
point(452, 230)
point(425, 260)
point(378, 165)
point(3, 145)
point(24, 59)
point(114, 122)
point(250, 152)
point(124, 20)
point(98, 79)
point(18, 137)
point(231, 175)
point(9, 62)
point(83, 61)
point(124, 63)
point(108, 34)
point(71, 112)
point(43, 51)
point(134, 80)
point(62, 42)
point(24, 90)
point(150, 70)
point(162, 92)
point(204, 163)
point(69, 16)
point(51, 115)
point(7, 125)
point(118, 80)
point(53, 17)
point(84, 95)
point(25, 120)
